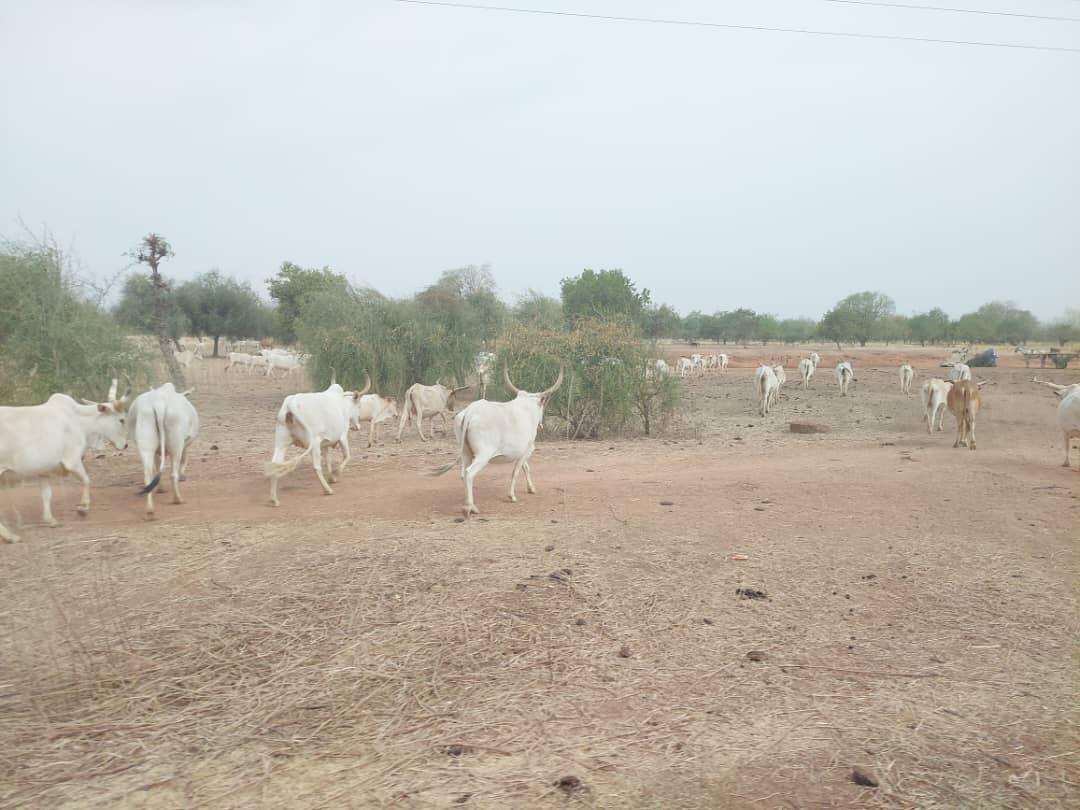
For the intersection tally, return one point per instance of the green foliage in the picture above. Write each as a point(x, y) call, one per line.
point(536, 309)
point(605, 295)
point(464, 302)
point(797, 330)
point(292, 286)
point(223, 307)
point(135, 309)
point(606, 390)
point(52, 339)
point(1065, 329)
point(859, 317)
point(930, 327)
point(662, 322)
point(997, 321)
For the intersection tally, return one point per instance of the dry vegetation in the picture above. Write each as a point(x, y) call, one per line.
point(920, 618)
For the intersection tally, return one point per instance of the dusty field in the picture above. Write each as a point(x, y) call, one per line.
point(919, 617)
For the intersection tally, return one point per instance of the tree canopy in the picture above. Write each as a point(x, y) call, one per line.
point(605, 295)
point(292, 286)
point(218, 306)
point(859, 317)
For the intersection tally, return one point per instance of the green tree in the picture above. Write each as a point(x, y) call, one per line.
point(741, 326)
point(607, 295)
point(797, 330)
point(52, 338)
point(292, 286)
point(930, 327)
point(1065, 329)
point(997, 321)
point(766, 328)
point(466, 303)
point(217, 306)
point(535, 309)
point(859, 317)
point(661, 322)
point(135, 309)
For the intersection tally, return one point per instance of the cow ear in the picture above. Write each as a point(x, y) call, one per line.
point(102, 407)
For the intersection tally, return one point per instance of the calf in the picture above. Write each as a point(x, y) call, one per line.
point(37, 441)
point(431, 400)
point(844, 375)
point(162, 422)
point(964, 402)
point(907, 374)
point(806, 371)
point(375, 409)
point(935, 395)
point(313, 421)
point(766, 386)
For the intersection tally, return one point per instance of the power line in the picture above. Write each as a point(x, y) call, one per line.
point(734, 27)
point(915, 7)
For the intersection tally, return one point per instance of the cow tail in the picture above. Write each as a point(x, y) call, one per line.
point(280, 470)
point(460, 452)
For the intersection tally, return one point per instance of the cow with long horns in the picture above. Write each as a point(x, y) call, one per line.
point(500, 431)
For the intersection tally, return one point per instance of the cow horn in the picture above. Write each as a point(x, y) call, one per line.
point(555, 387)
point(367, 384)
point(510, 385)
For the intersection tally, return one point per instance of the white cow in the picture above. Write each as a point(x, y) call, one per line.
point(37, 441)
point(907, 374)
point(661, 367)
point(806, 371)
point(1068, 412)
point(960, 371)
point(374, 409)
point(498, 430)
point(723, 359)
point(815, 358)
point(314, 421)
point(684, 366)
point(765, 386)
point(844, 375)
point(781, 378)
point(935, 397)
point(698, 363)
point(187, 357)
point(238, 359)
point(427, 400)
point(162, 422)
point(283, 360)
point(485, 367)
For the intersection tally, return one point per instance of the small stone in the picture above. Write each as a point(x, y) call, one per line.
point(569, 783)
point(759, 508)
point(549, 548)
point(667, 503)
point(579, 622)
point(459, 520)
point(807, 427)
point(624, 651)
point(708, 621)
point(756, 655)
point(863, 776)
point(213, 447)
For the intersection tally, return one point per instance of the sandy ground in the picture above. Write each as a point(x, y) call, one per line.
point(729, 615)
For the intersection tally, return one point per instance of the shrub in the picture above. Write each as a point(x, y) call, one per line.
point(52, 338)
point(606, 389)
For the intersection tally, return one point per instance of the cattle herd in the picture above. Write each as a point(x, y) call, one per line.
point(40, 441)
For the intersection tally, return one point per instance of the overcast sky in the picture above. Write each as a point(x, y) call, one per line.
point(718, 168)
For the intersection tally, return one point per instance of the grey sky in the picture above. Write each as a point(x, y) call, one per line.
point(717, 168)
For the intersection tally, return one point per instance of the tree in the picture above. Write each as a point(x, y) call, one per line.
point(218, 307)
point(661, 322)
point(740, 326)
point(797, 330)
point(607, 295)
point(997, 321)
point(858, 317)
point(465, 302)
point(292, 286)
point(1065, 329)
point(152, 251)
point(766, 328)
point(135, 309)
point(930, 327)
point(534, 309)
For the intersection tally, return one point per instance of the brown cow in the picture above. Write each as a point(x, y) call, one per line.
point(964, 403)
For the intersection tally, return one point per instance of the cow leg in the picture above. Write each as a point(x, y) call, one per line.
point(316, 462)
point(478, 463)
point(345, 453)
point(404, 418)
point(1068, 441)
point(971, 434)
point(420, 422)
point(178, 460)
point(371, 433)
point(46, 504)
point(513, 478)
point(528, 477)
point(76, 468)
point(7, 535)
point(184, 460)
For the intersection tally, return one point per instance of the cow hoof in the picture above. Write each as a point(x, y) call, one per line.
point(971, 447)
point(12, 538)
point(470, 510)
point(52, 523)
point(183, 478)
point(513, 499)
point(83, 509)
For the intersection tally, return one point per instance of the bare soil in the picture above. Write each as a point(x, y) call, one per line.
point(729, 615)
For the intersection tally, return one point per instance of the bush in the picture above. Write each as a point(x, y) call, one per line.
point(606, 389)
point(52, 338)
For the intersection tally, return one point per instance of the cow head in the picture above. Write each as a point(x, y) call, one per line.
point(110, 422)
point(543, 396)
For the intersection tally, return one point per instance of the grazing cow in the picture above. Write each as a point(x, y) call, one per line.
point(314, 421)
point(283, 360)
point(723, 361)
point(964, 402)
point(1068, 412)
point(498, 430)
point(766, 386)
point(935, 397)
point(187, 356)
point(37, 441)
point(162, 422)
point(907, 374)
point(806, 371)
point(685, 366)
point(374, 409)
point(239, 359)
point(427, 400)
point(485, 367)
point(844, 375)
point(960, 371)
